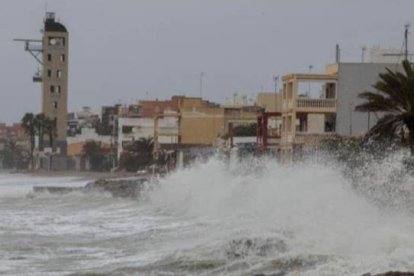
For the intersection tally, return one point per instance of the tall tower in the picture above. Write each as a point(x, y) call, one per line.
point(55, 77)
point(51, 52)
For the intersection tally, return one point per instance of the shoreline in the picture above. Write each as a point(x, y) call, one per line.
point(80, 174)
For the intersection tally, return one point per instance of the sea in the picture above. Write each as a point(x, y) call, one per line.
point(251, 217)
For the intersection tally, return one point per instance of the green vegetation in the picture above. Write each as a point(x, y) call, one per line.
point(245, 130)
point(95, 154)
point(39, 125)
point(29, 126)
point(137, 155)
point(394, 97)
point(14, 156)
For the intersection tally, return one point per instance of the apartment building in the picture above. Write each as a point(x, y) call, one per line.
point(308, 109)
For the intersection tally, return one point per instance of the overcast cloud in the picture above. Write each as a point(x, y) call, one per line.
point(121, 49)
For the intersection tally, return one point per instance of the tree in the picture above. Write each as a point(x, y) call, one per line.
point(29, 126)
point(50, 129)
point(94, 152)
point(245, 130)
point(394, 97)
point(13, 156)
point(39, 122)
point(137, 155)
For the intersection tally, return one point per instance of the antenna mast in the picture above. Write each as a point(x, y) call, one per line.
point(406, 40)
point(406, 54)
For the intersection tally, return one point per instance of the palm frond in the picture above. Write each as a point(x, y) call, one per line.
point(387, 126)
point(377, 103)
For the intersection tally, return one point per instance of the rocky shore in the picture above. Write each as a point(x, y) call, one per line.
point(127, 187)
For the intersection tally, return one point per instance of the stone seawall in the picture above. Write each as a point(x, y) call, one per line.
point(121, 187)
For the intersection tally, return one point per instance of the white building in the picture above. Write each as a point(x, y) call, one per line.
point(131, 129)
point(377, 54)
point(89, 134)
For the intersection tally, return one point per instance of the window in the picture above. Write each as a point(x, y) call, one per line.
point(56, 41)
point(62, 58)
point(55, 104)
point(49, 57)
point(126, 129)
point(55, 89)
point(49, 73)
point(59, 74)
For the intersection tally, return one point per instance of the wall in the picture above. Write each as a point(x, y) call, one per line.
point(354, 78)
point(316, 123)
point(271, 102)
point(201, 125)
point(150, 108)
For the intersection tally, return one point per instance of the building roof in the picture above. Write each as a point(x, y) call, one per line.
point(52, 26)
point(317, 77)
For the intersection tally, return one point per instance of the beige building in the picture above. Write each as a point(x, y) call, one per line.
point(270, 101)
point(55, 77)
point(51, 52)
point(308, 109)
point(132, 129)
point(203, 123)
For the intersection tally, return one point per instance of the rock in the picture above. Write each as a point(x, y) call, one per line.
point(241, 248)
point(56, 190)
point(118, 187)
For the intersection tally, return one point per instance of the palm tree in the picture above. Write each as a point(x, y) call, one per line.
point(395, 98)
point(50, 129)
point(13, 156)
point(93, 151)
point(29, 126)
point(142, 145)
point(138, 154)
point(39, 122)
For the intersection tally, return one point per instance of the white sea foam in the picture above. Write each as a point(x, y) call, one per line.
point(213, 219)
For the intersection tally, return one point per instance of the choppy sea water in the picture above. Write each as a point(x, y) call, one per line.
point(250, 218)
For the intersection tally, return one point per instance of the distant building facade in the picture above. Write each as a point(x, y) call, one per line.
point(270, 101)
point(85, 118)
point(132, 129)
point(55, 77)
point(353, 79)
point(307, 114)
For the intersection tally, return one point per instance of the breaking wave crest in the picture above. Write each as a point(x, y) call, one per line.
point(255, 217)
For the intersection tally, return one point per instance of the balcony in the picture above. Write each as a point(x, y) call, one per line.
point(34, 46)
point(37, 77)
point(316, 105)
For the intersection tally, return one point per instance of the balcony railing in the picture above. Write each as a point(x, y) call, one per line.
point(287, 104)
point(316, 103)
point(34, 47)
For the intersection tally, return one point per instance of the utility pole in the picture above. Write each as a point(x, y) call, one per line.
point(201, 84)
point(275, 79)
point(406, 54)
point(337, 54)
point(363, 53)
point(309, 85)
point(406, 41)
point(351, 104)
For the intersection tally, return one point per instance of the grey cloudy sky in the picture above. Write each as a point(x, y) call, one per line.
point(121, 49)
